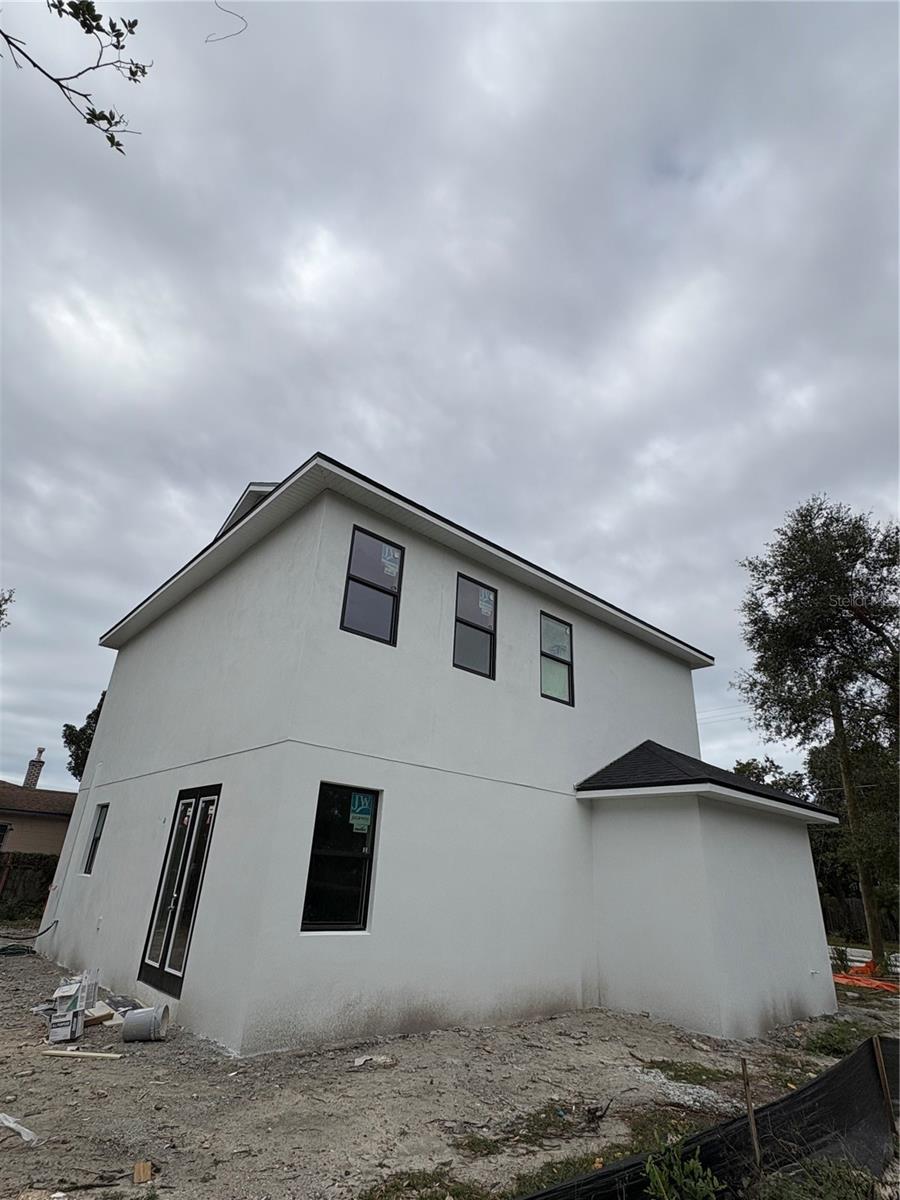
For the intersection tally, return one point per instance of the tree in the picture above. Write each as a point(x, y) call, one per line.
point(7, 597)
point(77, 739)
point(821, 620)
point(109, 39)
point(770, 773)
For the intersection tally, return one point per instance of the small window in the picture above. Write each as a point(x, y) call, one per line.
point(474, 637)
point(372, 592)
point(4, 830)
point(556, 660)
point(340, 864)
point(99, 822)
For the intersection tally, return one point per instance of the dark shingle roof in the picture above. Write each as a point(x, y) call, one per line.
point(652, 765)
point(40, 801)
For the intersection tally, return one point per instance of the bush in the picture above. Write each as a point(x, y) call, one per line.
point(817, 1179)
point(670, 1176)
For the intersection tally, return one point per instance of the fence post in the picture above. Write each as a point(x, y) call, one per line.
point(751, 1116)
point(882, 1075)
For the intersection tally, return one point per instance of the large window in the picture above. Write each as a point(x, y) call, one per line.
point(340, 865)
point(96, 832)
point(556, 660)
point(372, 592)
point(476, 620)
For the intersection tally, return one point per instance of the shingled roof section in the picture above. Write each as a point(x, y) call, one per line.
point(39, 801)
point(651, 765)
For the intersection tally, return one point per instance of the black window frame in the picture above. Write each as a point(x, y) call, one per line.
point(161, 976)
point(570, 703)
point(492, 633)
point(367, 856)
point(394, 595)
point(102, 810)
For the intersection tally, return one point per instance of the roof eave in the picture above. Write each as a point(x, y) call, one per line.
point(330, 474)
point(795, 810)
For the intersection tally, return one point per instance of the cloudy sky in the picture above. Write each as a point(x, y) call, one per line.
point(614, 285)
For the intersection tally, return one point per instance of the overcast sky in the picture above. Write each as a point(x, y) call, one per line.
point(613, 285)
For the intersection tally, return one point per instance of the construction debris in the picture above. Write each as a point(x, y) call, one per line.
point(143, 1171)
point(11, 1123)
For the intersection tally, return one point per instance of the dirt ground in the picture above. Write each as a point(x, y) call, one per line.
point(487, 1105)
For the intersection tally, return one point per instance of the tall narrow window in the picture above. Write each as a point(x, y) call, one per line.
point(476, 617)
point(340, 864)
point(556, 660)
point(99, 822)
point(372, 591)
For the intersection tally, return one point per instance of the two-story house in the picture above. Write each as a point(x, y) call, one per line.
point(360, 770)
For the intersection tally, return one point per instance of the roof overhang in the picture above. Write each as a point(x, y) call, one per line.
point(321, 473)
point(791, 811)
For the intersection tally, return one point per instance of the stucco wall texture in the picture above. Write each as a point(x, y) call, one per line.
point(495, 892)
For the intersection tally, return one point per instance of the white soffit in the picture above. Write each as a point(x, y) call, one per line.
point(319, 474)
point(713, 791)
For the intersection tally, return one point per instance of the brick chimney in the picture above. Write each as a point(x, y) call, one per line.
point(34, 769)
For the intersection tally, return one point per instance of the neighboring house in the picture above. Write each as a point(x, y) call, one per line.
point(33, 821)
point(362, 771)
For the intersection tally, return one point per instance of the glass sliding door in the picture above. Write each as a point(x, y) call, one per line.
point(178, 893)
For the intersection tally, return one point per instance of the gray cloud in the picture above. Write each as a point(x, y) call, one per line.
point(614, 285)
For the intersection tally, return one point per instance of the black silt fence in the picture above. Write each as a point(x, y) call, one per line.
point(839, 1114)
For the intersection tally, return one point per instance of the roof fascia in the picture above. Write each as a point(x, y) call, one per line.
point(714, 791)
point(327, 473)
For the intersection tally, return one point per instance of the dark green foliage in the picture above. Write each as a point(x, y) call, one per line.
point(108, 44)
point(821, 620)
point(77, 739)
point(821, 615)
point(673, 1176)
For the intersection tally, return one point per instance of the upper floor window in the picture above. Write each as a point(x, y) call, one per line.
point(474, 637)
point(372, 592)
point(556, 659)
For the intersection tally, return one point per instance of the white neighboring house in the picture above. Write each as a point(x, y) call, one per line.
point(347, 780)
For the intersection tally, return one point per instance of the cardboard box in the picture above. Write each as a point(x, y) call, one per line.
point(67, 1026)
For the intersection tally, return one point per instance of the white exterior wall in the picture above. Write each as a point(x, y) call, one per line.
point(768, 933)
point(486, 901)
point(707, 915)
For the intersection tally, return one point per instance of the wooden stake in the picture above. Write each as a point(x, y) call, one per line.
point(78, 1054)
point(882, 1075)
point(751, 1116)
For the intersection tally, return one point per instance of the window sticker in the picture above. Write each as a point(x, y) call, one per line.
point(486, 601)
point(360, 811)
point(390, 560)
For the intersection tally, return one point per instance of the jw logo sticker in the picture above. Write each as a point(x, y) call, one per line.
point(486, 601)
point(360, 811)
point(390, 560)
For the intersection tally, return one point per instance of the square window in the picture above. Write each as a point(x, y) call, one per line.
point(473, 638)
point(337, 886)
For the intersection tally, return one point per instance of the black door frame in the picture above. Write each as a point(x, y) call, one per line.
point(157, 976)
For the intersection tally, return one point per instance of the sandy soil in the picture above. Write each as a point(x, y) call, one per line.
point(312, 1125)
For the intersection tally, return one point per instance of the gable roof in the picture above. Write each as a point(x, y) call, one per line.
point(321, 473)
point(651, 765)
point(35, 801)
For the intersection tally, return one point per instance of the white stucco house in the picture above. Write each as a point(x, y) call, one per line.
point(360, 770)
